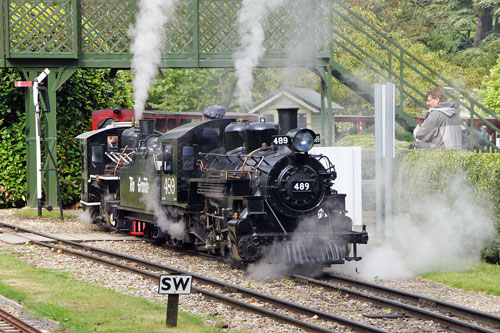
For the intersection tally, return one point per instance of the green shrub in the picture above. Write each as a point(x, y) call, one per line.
point(13, 164)
point(13, 143)
point(491, 252)
point(367, 141)
point(425, 172)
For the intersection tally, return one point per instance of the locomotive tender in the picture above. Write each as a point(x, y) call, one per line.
point(227, 187)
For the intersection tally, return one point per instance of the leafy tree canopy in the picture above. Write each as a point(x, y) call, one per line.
point(490, 91)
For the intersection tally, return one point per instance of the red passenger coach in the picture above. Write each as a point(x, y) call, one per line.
point(163, 120)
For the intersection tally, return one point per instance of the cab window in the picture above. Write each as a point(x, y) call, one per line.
point(167, 159)
point(96, 154)
point(188, 158)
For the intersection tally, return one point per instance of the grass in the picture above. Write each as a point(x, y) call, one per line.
point(55, 214)
point(481, 278)
point(82, 307)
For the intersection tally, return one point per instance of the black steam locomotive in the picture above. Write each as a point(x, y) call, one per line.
point(227, 187)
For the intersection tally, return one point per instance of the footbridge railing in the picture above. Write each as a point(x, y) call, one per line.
point(373, 56)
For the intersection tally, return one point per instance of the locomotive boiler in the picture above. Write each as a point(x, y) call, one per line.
point(229, 187)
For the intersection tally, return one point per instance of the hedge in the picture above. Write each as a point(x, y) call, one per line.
point(437, 173)
point(13, 143)
point(451, 177)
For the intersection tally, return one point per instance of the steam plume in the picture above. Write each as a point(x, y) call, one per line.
point(434, 235)
point(306, 234)
point(251, 50)
point(148, 42)
point(175, 229)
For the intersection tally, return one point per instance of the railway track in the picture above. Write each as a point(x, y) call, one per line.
point(268, 305)
point(12, 324)
point(424, 307)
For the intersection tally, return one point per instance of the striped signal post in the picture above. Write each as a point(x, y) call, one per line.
point(38, 128)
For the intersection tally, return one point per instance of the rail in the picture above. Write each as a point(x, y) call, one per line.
point(383, 295)
point(9, 323)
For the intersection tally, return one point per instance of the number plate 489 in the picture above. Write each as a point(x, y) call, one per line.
point(301, 186)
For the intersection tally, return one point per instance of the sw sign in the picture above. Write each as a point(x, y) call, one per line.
point(175, 284)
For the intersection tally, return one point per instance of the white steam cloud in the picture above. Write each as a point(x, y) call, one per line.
point(303, 46)
point(148, 36)
point(436, 234)
point(307, 233)
point(85, 217)
point(251, 32)
point(440, 233)
point(166, 222)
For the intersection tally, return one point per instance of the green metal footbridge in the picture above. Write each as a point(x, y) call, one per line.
point(66, 35)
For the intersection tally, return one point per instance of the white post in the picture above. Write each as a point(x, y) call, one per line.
point(38, 128)
point(384, 154)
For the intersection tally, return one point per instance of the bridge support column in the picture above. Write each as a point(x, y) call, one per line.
point(327, 120)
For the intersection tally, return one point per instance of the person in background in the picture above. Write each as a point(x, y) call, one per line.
point(441, 127)
point(112, 141)
point(482, 136)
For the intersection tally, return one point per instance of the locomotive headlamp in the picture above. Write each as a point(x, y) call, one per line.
point(301, 140)
point(153, 144)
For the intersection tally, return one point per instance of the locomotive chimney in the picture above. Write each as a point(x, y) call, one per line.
point(146, 127)
point(287, 119)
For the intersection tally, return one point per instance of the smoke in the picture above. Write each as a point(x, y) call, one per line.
point(85, 217)
point(305, 234)
point(302, 46)
point(251, 32)
point(166, 222)
point(148, 42)
point(440, 233)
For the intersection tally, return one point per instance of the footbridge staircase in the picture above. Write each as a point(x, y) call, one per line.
point(364, 55)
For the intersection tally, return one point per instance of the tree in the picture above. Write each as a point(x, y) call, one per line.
point(490, 90)
point(483, 13)
point(189, 90)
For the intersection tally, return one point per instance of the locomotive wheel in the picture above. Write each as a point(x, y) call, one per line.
point(159, 237)
point(110, 220)
point(108, 217)
point(177, 242)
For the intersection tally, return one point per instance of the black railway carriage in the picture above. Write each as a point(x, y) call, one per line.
point(232, 188)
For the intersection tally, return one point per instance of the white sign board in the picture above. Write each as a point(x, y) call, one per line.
point(347, 162)
point(175, 284)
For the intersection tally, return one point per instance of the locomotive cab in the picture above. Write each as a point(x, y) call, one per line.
point(181, 148)
point(100, 155)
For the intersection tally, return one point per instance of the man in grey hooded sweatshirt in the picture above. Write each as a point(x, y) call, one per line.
point(441, 127)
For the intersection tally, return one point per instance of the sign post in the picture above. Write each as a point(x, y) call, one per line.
point(173, 286)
